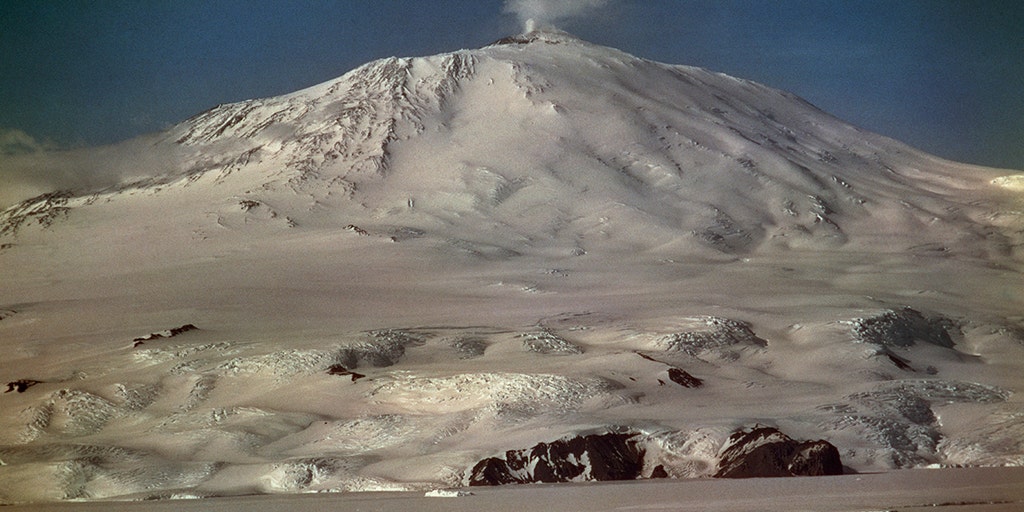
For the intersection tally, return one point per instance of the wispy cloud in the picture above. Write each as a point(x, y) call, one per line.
point(534, 14)
point(29, 167)
point(17, 142)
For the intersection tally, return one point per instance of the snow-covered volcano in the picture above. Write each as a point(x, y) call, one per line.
point(381, 280)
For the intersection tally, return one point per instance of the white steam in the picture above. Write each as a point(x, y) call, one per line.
point(536, 14)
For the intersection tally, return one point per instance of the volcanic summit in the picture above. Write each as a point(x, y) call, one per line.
point(431, 262)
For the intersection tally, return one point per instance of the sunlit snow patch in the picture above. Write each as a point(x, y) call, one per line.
point(1012, 182)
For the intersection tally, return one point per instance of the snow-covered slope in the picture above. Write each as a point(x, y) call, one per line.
point(430, 261)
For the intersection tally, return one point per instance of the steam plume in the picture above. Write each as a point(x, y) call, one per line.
point(535, 14)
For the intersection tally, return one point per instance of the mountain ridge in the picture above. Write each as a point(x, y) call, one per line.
point(340, 137)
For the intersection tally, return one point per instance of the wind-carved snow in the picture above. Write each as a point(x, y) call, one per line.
point(511, 395)
point(712, 334)
point(338, 132)
point(900, 417)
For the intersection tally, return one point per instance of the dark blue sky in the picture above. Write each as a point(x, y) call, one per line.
point(945, 76)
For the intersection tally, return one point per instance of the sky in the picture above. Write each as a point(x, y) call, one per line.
point(942, 75)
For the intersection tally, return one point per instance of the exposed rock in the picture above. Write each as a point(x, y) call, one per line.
point(169, 333)
point(609, 456)
point(901, 363)
point(45, 209)
point(357, 230)
point(767, 452)
point(683, 378)
point(337, 369)
point(677, 375)
point(546, 35)
point(249, 204)
point(21, 385)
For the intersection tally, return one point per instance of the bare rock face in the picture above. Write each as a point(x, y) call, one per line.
point(903, 328)
point(766, 452)
point(683, 378)
point(610, 456)
point(169, 333)
point(21, 385)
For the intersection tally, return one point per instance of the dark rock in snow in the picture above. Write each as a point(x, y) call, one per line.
point(45, 209)
point(169, 333)
point(677, 375)
point(659, 472)
point(337, 369)
point(901, 363)
point(767, 452)
point(683, 378)
point(21, 385)
point(547, 35)
point(609, 456)
point(249, 204)
point(357, 230)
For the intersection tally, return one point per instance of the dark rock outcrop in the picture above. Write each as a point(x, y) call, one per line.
point(683, 378)
point(609, 456)
point(900, 362)
point(44, 209)
point(767, 452)
point(677, 375)
point(21, 385)
point(169, 333)
point(337, 369)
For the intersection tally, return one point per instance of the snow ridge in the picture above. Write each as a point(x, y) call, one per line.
point(350, 121)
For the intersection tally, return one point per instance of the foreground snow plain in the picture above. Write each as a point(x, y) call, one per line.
point(431, 261)
point(945, 490)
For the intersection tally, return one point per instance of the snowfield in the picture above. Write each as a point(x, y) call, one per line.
point(379, 282)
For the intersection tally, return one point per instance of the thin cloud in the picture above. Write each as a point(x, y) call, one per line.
point(534, 14)
point(16, 142)
point(29, 167)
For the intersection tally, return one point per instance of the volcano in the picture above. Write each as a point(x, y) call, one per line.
point(382, 280)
